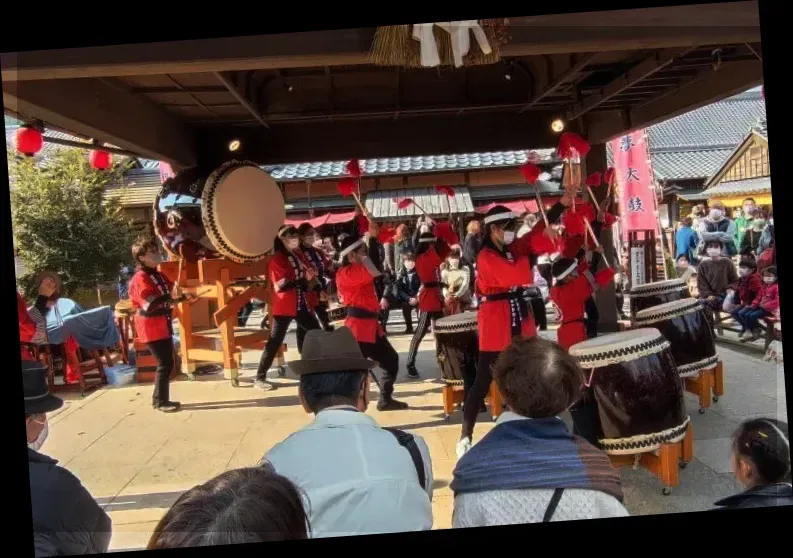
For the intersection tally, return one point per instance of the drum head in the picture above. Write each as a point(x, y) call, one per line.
point(618, 347)
point(658, 286)
point(457, 322)
point(243, 210)
point(667, 311)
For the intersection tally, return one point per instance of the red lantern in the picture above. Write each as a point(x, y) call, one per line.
point(29, 141)
point(100, 160)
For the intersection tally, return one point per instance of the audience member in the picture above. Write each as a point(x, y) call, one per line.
point(472, 243)
point(686, 240)
point(249, 505)
point(407, 287)
point(529, 468)
point(745, 220)
point(761, 462)
point(717, 226)
point(456, 280)
point(750, 241)
point(746, 292)
point(66, 518)
point(766, 303)
point(359, 478)
point(715, 275)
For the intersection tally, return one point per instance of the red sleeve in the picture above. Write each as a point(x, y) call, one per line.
point(353, 276)
point(572, 244)
point(500, 273)
point(772, 304)
point(608, 220)
point(27, 327)
point(280, 269)
point(140, 289)
point(445, 232)
point(758, 297)
point(576, 291)
point(604, 276)
point(535, 242)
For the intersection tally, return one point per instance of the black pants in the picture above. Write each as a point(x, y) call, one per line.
point(388, 359)
point(425, 320)
point(538, 309)
point(322, 315)
point(163, 351)
point(592, 318)
point(478, 391)
point(620, 301)
point(545, 272)
point(407, 313)
point(305, 321)
point(585, 418)
point(244, 313)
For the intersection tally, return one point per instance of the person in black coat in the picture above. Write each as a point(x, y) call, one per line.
point(66, 518)
point(761, 461)
point(407, 289)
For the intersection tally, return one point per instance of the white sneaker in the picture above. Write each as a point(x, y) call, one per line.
point(463, 446)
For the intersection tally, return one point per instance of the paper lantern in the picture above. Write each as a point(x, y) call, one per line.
point(29, 141)
point(100, 160)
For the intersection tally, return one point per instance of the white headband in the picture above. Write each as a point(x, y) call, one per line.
point(427, 240)
point(567, 271)
point(500, 217)
point(351, 247)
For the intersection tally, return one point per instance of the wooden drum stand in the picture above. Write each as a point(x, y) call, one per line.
point(206, 326)
point(454, 395)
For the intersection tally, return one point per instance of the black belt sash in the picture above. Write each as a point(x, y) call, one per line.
point(433, 285)
point(519, 307)
point(361, 313)
point(155, 313)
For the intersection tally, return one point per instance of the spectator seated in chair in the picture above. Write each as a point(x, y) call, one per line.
point(766, 303)
point(749, 287)
point(715, 275)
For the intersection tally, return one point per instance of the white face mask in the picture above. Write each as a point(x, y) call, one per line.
point(714, 252)
point(743, 271)
point(749, 209)
point(509, 237)
point(716, 214)
point(454, 264)
point(424, 229)
point(769, 280)
point(36, 444)
point(293, 243)
point(409, 265)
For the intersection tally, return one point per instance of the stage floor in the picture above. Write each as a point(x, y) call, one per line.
point(136, 461)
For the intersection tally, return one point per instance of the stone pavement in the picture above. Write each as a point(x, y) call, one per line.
point(136, 461)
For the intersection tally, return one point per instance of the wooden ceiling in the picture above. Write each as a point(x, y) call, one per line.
point(315, 96)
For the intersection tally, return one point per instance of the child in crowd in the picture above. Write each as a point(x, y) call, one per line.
point(406, 289)
point(761, 461)
point(749, 285)
point(765, 303)
point(456, 281)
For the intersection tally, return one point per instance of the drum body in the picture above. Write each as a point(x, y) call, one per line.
point(637, 390)
point(457, 348)
point(684, 324)
point(660, 292)
point(235, 212)
point(337, 314)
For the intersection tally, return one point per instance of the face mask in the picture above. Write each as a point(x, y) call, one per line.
point(714, 252)
point(769, 280)
point(424, 229)
point(743, 271)
point(749, 209)
point(454, 264)
point(509, 237)
point(716, 214)
point(293, 243)
point(771, 221)
point(36, 444)
point(410, 265)
point(758, 224)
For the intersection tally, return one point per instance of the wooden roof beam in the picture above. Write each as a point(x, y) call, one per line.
point(241, 98)
point(108, 112)
point(555, 82)
point(708, 87)
point(638, 73)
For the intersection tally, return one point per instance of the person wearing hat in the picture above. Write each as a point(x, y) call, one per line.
point(359, 478)
point(66, 518)
point(290, 275)
point(504, 270)
point(715, 275)
point(355, 281)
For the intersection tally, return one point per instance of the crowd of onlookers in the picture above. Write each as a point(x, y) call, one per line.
point(730, 263)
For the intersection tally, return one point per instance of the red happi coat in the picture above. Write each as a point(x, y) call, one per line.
point(312, 296)
point(27, 327)
point(147, 283)
point(428, 269)
point(356, 288)
point(498, 273)
point(570, 300)
point(284, 270)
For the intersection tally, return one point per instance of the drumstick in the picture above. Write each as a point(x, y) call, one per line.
point(594, 238)
point(589, 382)
point(539, 204)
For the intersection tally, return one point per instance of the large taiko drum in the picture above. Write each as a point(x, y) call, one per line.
point(457, 348)
point(684, 324)
point(235, 212)
point(637, 390)
point(337, 314)
point(659, 292)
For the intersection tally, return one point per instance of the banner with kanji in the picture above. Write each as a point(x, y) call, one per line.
point(635, 189)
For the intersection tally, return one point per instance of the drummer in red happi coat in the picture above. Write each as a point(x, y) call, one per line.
point(504, 269)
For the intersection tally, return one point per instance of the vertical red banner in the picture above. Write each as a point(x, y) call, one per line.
point(166, 171)
point(635, 185)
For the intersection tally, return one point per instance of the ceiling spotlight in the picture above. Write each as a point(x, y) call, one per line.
point(234, 145)
point(557, 125)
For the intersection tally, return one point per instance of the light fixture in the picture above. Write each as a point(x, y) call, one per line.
point(289, 87)
point(508, 73)
point(557, 125)
point(234, 145)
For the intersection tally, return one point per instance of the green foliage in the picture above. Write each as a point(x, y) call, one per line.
point(671, 271)
point(62, 222)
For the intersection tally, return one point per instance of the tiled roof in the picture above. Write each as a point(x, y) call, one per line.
point(381, 203)
point(403, 165)
point(740, 187)
point(493, 193)
point(140, 188)
point(687, 165)
point(692, 195)
point(761, 128)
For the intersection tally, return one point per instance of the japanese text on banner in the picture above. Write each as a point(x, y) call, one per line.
point(635, 188)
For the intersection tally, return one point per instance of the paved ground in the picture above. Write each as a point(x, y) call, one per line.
point(136, 461)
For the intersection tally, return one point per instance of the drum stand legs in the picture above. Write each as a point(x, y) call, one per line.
point(454, 394)
point(708, 385)
point(663, 463)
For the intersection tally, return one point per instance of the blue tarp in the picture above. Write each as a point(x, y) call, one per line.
point(92, 329)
